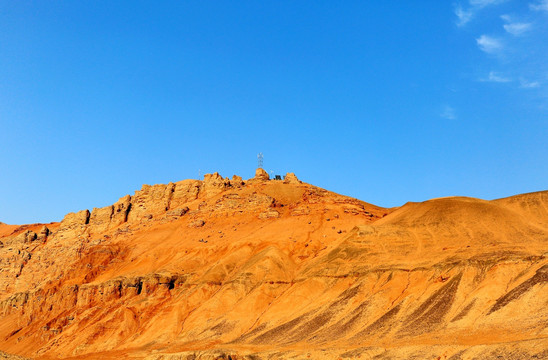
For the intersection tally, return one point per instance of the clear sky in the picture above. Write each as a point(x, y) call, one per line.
point(385, 101)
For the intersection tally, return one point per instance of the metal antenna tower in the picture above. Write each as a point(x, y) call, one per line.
point(260, 160)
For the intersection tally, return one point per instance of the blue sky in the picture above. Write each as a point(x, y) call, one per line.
point(385, 101)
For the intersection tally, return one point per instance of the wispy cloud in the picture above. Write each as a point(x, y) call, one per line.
point(489, 44)
point(516, 28)
point(528, 84)
point(539, 6)
point(465, 15)
point(494, 77)
point(516, 45)
point(448, 112)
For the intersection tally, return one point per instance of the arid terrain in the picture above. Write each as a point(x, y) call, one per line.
point(278, 269)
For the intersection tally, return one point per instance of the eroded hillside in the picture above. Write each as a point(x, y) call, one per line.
point(269, 269)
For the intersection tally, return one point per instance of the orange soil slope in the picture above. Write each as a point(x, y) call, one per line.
point(273, 270)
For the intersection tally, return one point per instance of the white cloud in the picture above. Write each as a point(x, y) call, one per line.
point(517, 50)
point(517, 28)
point(528, 84)
point(494, 77)
point(464, 16)
point(540, 6)
point(489, 44)
point(448, 113)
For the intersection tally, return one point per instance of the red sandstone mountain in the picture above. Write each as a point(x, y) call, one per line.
point(266, 269)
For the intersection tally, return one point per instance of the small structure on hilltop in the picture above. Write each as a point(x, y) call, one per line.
point(262, 175)
point(260, 158)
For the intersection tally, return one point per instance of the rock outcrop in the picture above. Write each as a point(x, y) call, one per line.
point(237, 181)
point(43, 234)
point(74, 224)
point(27, 237)
point(177, 212)
point(269, 214)
point(154, 201)
point(290, 178)
point(197, 223)
point(120, 211)
point(158, 201)
point(75, 220)
point(100, 218)
point(108, 217)
point(261, 175)
point(184, 192)
point(214, 184)
point(151, 199)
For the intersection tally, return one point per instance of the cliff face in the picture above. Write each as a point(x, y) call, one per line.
point(264, 269)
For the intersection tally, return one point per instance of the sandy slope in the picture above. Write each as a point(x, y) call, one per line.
point(274, 270)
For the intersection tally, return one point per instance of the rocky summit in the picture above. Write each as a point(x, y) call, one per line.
point(278, 269)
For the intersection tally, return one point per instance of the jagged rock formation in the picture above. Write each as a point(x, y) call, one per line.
point(261, 175)
point(290, 178)
point(258, 269)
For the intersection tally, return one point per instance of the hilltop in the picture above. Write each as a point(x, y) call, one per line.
point(275, 269)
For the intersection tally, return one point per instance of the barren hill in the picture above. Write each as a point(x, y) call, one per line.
point(271, 269)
